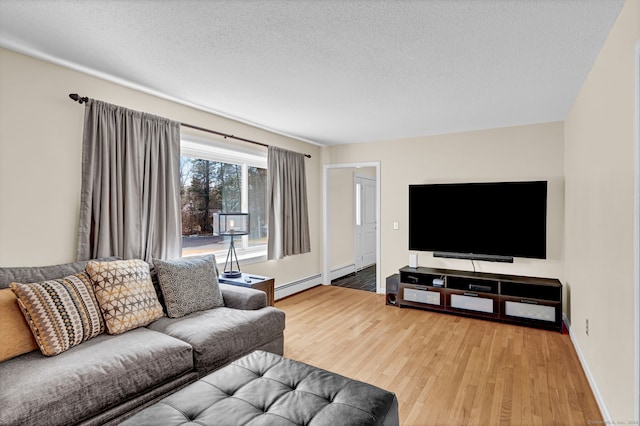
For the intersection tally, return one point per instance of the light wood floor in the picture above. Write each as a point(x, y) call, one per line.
point(444, 369)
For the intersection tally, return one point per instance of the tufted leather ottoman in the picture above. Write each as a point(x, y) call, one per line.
point(266, 389)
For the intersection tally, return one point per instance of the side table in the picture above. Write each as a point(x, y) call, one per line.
point(265, 284)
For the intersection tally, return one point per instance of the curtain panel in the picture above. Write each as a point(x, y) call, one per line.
point(287, 197)
point(130, 199)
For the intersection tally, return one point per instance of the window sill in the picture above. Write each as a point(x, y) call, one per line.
point(250, 257)
point(244, 258)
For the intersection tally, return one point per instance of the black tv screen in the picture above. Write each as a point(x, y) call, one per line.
point(489, 218)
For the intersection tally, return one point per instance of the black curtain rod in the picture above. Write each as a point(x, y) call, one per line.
point(84, 99)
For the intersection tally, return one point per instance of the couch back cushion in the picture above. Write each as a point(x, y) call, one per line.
point(15, 335)
point(32, 274)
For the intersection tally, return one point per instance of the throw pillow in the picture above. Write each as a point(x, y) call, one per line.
point(125, 294)
point(189, 284)
point(15, 335)
point(62, 313)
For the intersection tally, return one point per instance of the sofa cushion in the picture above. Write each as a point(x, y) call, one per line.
point(125, 294)
point(243, 297)
point(221, 335)
point(15, 335)
point(62, 313)
point(78, 384)
point(32, 274)
point(189, 284)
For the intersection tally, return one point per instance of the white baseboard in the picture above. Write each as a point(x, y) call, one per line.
point(294, 287)
point(303, 284)
point(342, 271)
point(592, 383)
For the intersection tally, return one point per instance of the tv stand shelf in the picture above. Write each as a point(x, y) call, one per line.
point(530, 301)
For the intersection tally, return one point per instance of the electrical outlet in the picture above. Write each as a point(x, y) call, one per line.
point(396, 226)
point(586, 326)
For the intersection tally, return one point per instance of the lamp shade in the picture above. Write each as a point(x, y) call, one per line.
point(233, 223)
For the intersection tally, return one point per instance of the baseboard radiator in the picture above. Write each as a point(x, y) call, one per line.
point(303, 284)
point(297, 286)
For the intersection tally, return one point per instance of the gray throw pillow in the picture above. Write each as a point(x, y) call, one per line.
point(189, 284)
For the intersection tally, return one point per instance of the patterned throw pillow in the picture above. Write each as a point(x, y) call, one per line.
point(189, 284)
point(61, 313)
point(125, 294)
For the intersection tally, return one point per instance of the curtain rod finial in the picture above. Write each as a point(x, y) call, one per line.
point(78, 99)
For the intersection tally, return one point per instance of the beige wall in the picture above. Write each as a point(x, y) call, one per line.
point(599, 174)
point(532, 152)
point(40, 155)
point(341, 216)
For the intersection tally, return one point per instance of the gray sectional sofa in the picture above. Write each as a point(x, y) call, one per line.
point(110, 377)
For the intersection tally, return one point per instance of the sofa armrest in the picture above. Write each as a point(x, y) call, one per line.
point(243, 297)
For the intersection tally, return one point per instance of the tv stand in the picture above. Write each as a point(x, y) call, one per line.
point(530, 301)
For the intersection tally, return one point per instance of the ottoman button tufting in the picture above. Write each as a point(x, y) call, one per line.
point(350, 402)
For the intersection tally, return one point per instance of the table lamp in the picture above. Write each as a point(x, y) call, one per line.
point(232, 224)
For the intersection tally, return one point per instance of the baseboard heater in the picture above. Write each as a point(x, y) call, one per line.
point(294, 287)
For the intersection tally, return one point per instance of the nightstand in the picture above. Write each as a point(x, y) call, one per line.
point(258, 282)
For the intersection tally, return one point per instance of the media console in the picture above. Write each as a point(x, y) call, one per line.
point(514, 299)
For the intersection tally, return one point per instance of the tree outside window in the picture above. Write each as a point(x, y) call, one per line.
point(209, 187)
point(257, 206)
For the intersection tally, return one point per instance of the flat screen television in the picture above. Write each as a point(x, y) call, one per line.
point(488, 220)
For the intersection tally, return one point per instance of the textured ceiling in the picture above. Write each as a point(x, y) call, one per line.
point(332, 72)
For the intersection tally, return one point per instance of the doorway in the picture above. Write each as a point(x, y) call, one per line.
point(341, 234)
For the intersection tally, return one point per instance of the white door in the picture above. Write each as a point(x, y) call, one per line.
point(365, 222)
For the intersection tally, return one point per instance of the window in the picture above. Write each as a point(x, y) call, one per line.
point(216, 180)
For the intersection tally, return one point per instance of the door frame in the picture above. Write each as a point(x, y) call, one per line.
point(636, 219)
point(326, 255)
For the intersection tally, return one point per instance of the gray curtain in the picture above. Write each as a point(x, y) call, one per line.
point(287, 198)
point(130, 199)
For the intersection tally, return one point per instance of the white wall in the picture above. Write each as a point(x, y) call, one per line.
point(533, 152)
point(599, 170)
point(40, 156)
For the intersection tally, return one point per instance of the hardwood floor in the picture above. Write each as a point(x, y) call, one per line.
point(444, 369)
